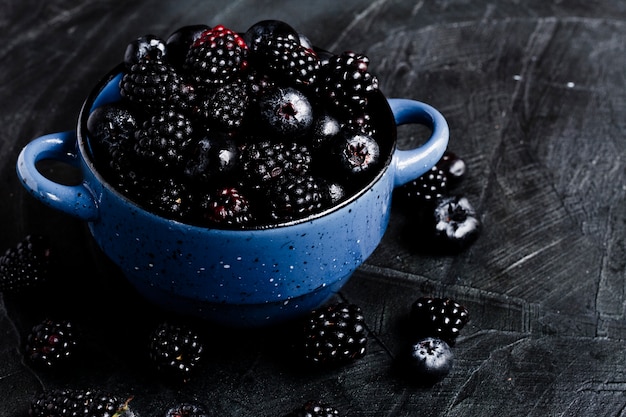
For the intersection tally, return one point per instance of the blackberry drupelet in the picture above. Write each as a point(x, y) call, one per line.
point(25, 265)
point(335, 334)
point(443, 318)
point(217, 56)
point(314, 408)
point(50, 343)
point(175, 350)
point(78, 403)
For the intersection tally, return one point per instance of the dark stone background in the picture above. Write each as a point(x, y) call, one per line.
point(535, 95)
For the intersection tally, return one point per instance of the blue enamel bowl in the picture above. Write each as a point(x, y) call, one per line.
point(242, 278)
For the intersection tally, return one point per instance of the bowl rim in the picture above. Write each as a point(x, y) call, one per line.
point(87, 155)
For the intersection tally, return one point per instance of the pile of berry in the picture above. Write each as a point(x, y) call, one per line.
point(231, 130)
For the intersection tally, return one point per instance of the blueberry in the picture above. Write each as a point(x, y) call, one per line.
point(355, 153)
point(211, 157)
point(149, 47)
point(456, 223)
point(325, 127)
point(286, 112)
point(429, 360)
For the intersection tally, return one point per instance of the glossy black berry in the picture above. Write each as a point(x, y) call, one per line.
point(50, 343)
point(297, 197)
point(226, 207)
point(453, 167)
point(428, 360)
point(325, 127)
point(353, 154)
point(25, 265)
point(262, 33)
point(216, 57)
point(285, 111)
point(443, 318)
point(151, 85)
point(146, 47)
point(314, 408)
point(179, 42)
point(79, 402)
point(187, 409)
point(290, 63)
point(267, 161)
point(175, 350)
point(426, 189)
point(335, 334)
point(456, 224)
point(166, 196)
point(224, 109)
point(212, 157)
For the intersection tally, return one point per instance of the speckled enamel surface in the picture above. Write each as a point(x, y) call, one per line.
point(233, 277)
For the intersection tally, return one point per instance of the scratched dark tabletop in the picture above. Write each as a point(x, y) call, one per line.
point(535, 96)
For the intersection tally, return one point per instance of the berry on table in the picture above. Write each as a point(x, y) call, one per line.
point(455, 223)
point(335, 334)
point(426, 189)
point(429, 360)
point(443, 318)
point(79, 402)
point(25, 265)
point(50, 343)
point(453, 167)
point(175, 350)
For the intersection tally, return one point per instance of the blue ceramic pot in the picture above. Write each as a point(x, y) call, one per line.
point(232, 277)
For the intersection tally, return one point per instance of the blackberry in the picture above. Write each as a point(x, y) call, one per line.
point(266, 161)
point(151, 85)
point(264, 32)
point(455, 225)
point(212, 157)
point(297, 197)
point(179, 42)
point(289, 62)
point(175, 350)
point(439, 317)
point(217, 56)
point(186, 409)
point(109, 125)
point(78, 403)
point(346, 83)
point(27, 264)
point(453, 167)
point(335, 334)
point(226, 207)
point(314, 408)
point(165, 196)
point(164, 139)
point(226, 108)
point(428, 360)
point(428, 188)
point(50, 343)
point(285, 112)
point(144, 48)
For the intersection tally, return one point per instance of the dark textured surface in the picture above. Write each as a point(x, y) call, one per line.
point(535, 95)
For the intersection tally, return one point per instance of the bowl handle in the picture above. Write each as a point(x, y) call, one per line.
point(410, 164)
point(76, 200)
